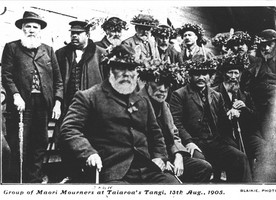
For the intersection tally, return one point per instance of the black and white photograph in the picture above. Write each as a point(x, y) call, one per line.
point(138, 99)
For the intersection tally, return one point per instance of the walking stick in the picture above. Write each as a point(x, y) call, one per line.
point(21, 144)
point(97, 181)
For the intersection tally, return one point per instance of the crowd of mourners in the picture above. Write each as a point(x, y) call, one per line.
point(158, 107)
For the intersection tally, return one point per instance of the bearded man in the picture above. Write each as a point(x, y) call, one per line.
point(113, 29)
point(112, 128)
point(241, 109)
point(33, 84)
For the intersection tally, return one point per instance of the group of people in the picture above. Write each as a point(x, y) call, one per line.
point(148, 109)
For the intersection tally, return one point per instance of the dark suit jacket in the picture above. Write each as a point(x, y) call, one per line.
point(248, 118)
point(92, 71)
point(169, 130)
point(170, 54)
point(187, 112)
point(99, 121)
point(104, 43)
point(18, 65)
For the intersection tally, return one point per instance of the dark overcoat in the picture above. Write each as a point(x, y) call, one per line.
point(18, 65)
point(187, 111)
point(99, 121)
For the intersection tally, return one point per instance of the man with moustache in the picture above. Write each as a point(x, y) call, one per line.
point(167, 52)
point(113, 28)
point(159, 81)
point(33, 84)
point(200, 116)
point(112, 128)
point(79, 63)
point(142, 42)
point(240, 109)
point(194, 40)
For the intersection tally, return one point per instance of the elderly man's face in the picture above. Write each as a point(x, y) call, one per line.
point(189, 38)
point(31, 35)
point(143, 32)
point(163, 41)
point(158, 92)
point(200, 79)
point(114, 37)
point(240, 49)
point(232, 76)
point(79, 39)
point(268, 49)
point(123, 80)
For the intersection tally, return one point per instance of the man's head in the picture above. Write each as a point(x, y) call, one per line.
point(113, 28)
point(192, 34)
point(162, 34)
point(143, 25)
point(240, 42)
point(200, 79)
point(268, 43)
point(123, 73)
point(158, 91)
point(79, 34)
point(31, 24)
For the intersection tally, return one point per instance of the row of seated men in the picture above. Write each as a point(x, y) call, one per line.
point(123, 126)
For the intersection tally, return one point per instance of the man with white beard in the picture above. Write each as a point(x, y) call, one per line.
point(113, 28)
point(33, 84)
point(114, 129)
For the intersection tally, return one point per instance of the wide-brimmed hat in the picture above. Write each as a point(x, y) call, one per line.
point(267, 35)
point(162, 31)
point(197, 29)
point(114, 24)
point(201, 65)
point(238, 38)
point(29, 16)
point(144, 20)
point(121, 56)
point(162, 72)
point(232, 61)
point(79, 26)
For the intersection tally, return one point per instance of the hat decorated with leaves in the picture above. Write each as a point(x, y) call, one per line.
point(162, 31)
point(197, 29)
point(232, 61)
point(121, 57)
point(201, 65)
point(239, 38)
point(162, 72)
point(114, 24)
point(220, 39)
point(144, 20)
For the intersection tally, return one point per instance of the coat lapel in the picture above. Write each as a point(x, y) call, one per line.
point(195, 97)
point(40, 53)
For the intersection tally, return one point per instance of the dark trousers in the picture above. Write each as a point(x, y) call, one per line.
point(35, 139)
point(196, 170)
point(6, 160)
point(226, 157)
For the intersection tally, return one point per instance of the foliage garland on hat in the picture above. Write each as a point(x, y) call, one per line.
point(162, 31)
point(220, 39)
point(144, 20)
point(114, 24)
point(162, 72)
point(197, 29)
point(209, 65)
point(232, 61)
point(239, 37)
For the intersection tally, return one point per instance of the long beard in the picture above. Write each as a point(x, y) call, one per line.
point(232, 86)
point(30, 42)
point(114, 41)
point(125, 87)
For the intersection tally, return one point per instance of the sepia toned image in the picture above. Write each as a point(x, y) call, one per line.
point(148, 99)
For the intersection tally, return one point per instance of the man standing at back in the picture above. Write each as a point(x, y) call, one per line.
point(79, 62)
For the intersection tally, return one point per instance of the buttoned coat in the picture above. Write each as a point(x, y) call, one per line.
point(187, 111)
point(18, 67)
point(99, 121)
point(170, 55)
point(169, 130)
point(141, 53)
point(104, 43)
point(92, 70)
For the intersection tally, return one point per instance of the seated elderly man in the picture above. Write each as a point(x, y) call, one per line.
point(159, 78)
point(111, 127)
